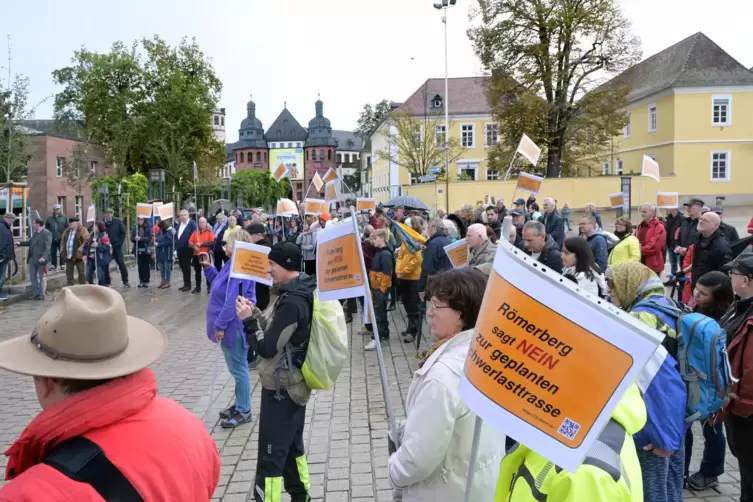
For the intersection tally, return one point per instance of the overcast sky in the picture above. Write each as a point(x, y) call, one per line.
point(351, 52)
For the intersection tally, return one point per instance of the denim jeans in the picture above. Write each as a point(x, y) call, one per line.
point(714, 447)
point(673, 261)
point(662, 476)
point(380, 313)
point(165, 269)
point(35, 276)
point(235, 358)
point(3, 271)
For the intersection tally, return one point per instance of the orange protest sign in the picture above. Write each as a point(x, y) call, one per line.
point(529, 183)
point(155, 208)
point(458, 253)
point(650, 168)
point(364, 204)
point(280, 172)
point(91, 213)
point(667, 200)
point(317, 181)
point(617, 200)
point(251, 262)
point(531, 361)
point(338, 263)
point(315, 207)
point(330, 175)
point(144, 210)
point(167, 211)
point(331, 192)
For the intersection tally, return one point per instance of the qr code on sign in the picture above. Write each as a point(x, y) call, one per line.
point(569, 429)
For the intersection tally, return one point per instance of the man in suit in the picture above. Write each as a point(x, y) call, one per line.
point(184, 229)
point(40, 246)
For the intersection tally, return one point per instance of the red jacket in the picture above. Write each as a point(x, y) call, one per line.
point(740, 350)
point(750, 226)
point(159, 446)
point(653, 239)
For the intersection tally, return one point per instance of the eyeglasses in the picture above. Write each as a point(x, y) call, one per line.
point(434, 306)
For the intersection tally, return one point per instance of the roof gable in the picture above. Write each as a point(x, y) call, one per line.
point(348, 141)
point(285, 128)
point(467, 96)
point(693, 62)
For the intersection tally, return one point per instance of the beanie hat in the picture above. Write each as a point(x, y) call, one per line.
point(287, 255)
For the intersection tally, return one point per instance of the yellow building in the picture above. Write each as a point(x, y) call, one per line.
point(470, 121)
point(691, 109)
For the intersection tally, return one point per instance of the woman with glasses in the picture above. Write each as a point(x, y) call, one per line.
point(628, 248)
point(224, 327)
point(432, 460)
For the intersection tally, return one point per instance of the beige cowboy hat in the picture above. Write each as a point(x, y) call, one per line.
point(85, 335)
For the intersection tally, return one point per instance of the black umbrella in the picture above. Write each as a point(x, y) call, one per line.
point(407, 202)
point(738, 247)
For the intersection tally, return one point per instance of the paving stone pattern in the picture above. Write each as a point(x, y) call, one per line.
point(345, 428)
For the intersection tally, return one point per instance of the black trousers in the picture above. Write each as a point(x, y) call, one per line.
point(184, 262)
point(117, 255)
point(220, 258)
point(393, 290)
point(309, 266)
point(740, 440)
point(144, 264)
point(197, 272)
point(282, 460)
point(380, 313)
point(55, 254)
point(410, 299)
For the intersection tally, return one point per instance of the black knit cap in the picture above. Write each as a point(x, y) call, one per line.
point(287, 255)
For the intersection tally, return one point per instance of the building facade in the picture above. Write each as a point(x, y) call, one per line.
point(285, 139)
point(218, 125)
point(691, 109)
point(250, 151)
point(470, 121)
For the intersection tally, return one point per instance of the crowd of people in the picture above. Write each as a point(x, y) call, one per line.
point(643, 453)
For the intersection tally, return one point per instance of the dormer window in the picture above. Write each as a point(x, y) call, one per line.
point(436, 101)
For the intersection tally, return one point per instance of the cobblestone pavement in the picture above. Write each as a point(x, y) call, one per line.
point(345, 428)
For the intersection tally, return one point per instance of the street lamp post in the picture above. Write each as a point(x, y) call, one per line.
point(157, 184)
point(443, 6)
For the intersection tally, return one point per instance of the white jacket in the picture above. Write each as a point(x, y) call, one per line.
point(431, 464)
point(586, 284)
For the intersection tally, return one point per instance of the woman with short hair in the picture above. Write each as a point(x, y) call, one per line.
point(628, 248)
point(432, 460)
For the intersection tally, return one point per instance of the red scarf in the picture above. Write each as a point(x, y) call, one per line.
point(77, 415)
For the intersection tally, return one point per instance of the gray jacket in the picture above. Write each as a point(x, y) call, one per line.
point(483, 254)
point(307, 241)
point(39, 246)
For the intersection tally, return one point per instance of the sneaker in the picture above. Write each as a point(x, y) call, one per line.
point(186, 288)
point(236, 419)
point(228, 413)
point(3, 297)
point(372, 344)
point(126, 285)
point(391, 307)
point(409, 338)
point(52, 268)
point(196, 291)
point(699, 482)
point(365, 332)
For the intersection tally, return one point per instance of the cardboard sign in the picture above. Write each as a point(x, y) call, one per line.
point(667, 200)
point(548, 364)
point(332, 192)
point(529, 183)
point(316, 207)
point(144, 210)
point(167, 211)
point(459, 253)
point(339, 273)
point(91, 213)
point(251, 262)
point(286, 207)
point(528, 149)
point(363, 205)
point(650, 168)
point(155, 208)
point(330, 175)
point(280, 171)
point(317, 181)
point(617, 200)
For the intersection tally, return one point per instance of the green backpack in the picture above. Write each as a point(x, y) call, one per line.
point(327, 350)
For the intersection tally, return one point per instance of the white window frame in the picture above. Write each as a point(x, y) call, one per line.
point(728, 122)
point(59, 166)
point(414, 179)
point(626, 129)
point(728, 166)
point(79, 206)
point(473, 135)
point(468, 166)
point(652, 127)
point(418, 133)
point(495, 174)
point(605, 168)
point(443, 134)
point(487, 127)
point(93, 166)
point(619, 167)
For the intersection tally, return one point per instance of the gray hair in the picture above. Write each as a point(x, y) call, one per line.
point(551, 201)
point(590, 218)
point(467, 207)
point(436, 223)
point(536, 226)
point(450, 229)
point(651, 207)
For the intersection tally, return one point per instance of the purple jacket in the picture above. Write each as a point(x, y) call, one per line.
point(221, 310)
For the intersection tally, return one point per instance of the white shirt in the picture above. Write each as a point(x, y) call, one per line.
point(181, 228)
point(535, 256)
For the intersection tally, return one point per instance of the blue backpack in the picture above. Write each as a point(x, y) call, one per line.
point(702, 359)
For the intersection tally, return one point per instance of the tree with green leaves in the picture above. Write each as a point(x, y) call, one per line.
point(258, 188)
point(558, 52)
point(415, 144)
point(148, 105)
point(77, 169)
point(371, 117)
point(136, 186)
point(14, 154)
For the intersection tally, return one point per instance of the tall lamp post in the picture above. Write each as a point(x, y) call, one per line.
point(443, 6)
point(157, 184)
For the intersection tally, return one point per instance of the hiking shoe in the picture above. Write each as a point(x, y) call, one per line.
point(236, 419)
point(699, 482)
point(228, 413)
